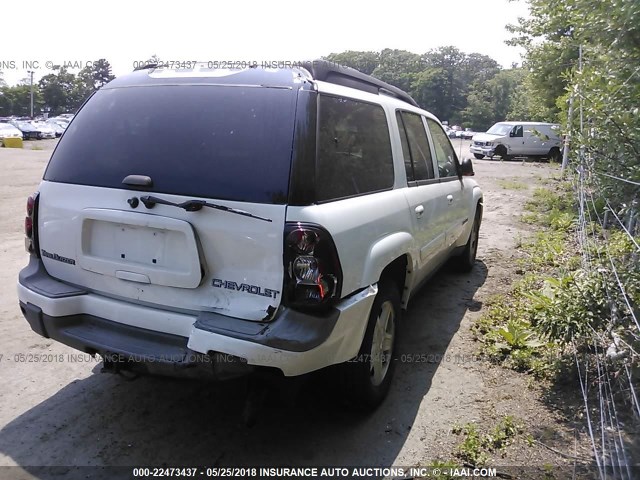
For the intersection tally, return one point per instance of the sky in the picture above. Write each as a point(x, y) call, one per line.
point(127, 32)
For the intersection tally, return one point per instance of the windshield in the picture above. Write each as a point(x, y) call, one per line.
point(500, 129)
point(225, 142)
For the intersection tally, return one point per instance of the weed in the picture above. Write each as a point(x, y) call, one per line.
point(512, 185)
point(476, 446)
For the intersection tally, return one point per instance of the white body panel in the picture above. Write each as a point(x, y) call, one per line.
point(77, 223)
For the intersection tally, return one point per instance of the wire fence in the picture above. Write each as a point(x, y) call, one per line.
point(606, 379)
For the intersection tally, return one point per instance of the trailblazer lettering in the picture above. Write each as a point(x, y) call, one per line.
point(55, 256)
point(244, 287)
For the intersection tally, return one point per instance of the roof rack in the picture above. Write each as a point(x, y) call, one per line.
point(146, 66)
point(332, 72)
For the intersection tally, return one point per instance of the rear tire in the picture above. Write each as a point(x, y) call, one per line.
point(367, 378)
point(467, 259)
point(555, 155)
point(478, 156)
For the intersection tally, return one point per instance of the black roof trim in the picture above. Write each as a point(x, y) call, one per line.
point(332, 72)
point(146, 66)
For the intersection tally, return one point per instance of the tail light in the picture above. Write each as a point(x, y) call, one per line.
point(313, 276)
point(31, 226)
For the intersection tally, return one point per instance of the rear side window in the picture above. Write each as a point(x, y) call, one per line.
point(418, 146)
point(446, 157)
point(223, 142)
point(354, 149)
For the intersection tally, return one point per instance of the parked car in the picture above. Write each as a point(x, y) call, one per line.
point(29, 131)
point(227, 251)
point(467, 134)
point(57, 125)
point(46, 131)
point(9, 131)
point(455, 131)
point(509, 139)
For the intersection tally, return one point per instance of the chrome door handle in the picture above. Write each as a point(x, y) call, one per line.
point(419, 210)
point(450, 198)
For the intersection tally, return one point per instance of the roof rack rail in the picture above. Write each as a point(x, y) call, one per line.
point(332, 72)
point(146, 66)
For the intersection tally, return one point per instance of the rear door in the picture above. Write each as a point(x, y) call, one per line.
point(424, 192)
point(454, 199)
point(517, 141)
point(108, 219)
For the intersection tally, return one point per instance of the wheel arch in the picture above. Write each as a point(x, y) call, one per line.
point(390, 259)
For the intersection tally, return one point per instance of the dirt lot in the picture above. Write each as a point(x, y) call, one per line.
point(66, 413)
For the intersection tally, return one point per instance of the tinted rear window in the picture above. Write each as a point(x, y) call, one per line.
point(224, 142)
point(354, 149)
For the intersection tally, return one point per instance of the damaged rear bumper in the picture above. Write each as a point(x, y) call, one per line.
point(142, 338)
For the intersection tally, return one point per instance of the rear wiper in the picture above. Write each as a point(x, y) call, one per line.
point(195, 205)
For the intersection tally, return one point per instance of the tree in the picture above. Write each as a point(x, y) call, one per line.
point(440, 80)
point(91, 78)
point(398, 67)
point(16, 100)
point(495, 100)
point(365, 62)
point(551, 53)
point(59, 91)
point(606, 86)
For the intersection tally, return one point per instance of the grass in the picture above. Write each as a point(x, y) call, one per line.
point(512, 185)
point(476, 446)
point(507, 330)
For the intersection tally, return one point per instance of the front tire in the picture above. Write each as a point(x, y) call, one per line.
point(367, 378)
point(501, 151)
point(478, 156)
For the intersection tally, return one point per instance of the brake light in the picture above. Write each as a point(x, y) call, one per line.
point(313, 276)
point(30, 226)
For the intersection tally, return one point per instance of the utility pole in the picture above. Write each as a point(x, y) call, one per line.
point(567, 140)
point(30, 72)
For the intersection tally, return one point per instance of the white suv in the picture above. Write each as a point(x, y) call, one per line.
point(215, 222)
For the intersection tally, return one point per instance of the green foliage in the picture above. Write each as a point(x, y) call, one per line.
point(551, 53)
point(471, 449)
point(496, 99)
point(517, 335)
point(565, 302)
point(55, 93)
point(512, 185)
point(606, 86)
point(571, 306)
point(398, 67)
point(16, 100)
point(457, 87)
point(476, 446)
point(444, 467)
point(365, 62)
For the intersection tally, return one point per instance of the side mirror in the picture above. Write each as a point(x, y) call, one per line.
point(466, 168)
point(512, 134)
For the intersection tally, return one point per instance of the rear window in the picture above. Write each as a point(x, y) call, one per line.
point(354, 149)
point(225, 142)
